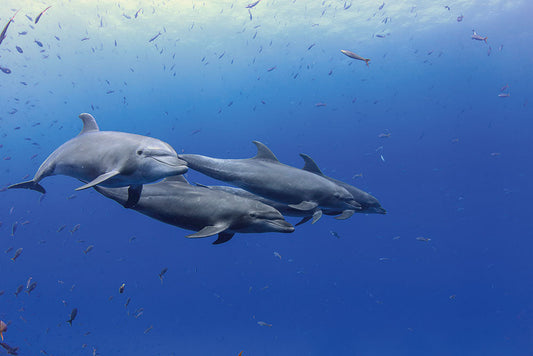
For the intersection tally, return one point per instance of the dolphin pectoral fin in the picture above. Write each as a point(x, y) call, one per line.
point(316, 216)
point(223, 237)
point(28, 185)
point(134, 194)
point(99, 179)
point(303, 221)
point(178, 178)
point(305, 205)
point(345, 215)
point(209, 231)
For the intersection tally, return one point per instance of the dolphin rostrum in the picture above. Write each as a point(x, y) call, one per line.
point(264, 175)
point(109, 159)
point(209, 212)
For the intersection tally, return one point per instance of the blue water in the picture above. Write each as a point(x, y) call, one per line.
point(456, 169)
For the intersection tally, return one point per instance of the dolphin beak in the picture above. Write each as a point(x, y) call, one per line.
point(380, 210)
point(170, 160)
point(282, 225)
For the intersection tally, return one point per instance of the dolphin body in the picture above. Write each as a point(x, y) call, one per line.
point(264, 175)
point(209, 212)
point(109, 159)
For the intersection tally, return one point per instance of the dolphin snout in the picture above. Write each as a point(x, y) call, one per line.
point(282, 225)
point(170, 160)
point(380, 210)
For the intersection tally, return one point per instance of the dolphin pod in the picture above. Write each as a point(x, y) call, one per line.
point(123, 167)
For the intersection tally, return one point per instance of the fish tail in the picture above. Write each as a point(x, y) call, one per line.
point(28, 185)
point(70, 322)
point(485, 39)
point(366, 61)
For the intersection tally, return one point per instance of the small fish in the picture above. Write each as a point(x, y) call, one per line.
point(452, 297)
point(3, 33)
point(75, 228)
point(23, 33)
point(10, 350)
point(61, 228)
point(127, 302)
point(424, 239)
point(121, 288)
point(251, 5)
point(31, 287)
point(38, 43)
point(460, 18)
point(41, 14)
point(19, 289)
point(384, 135)
point(447, 7)
point(277, 255)
point(381, 7)
point(7, 71)
point(271, 69)
point(153, 38)
point(19, 50)
point(9, 249)
point(504, 95)
point(262, 323)
point(318, 105)
point(28, 282)
point(162, 273)
point(334, 234)
point(138, 12)
point(311, 46)
point(85, 39)
point(148, 329)
point(73, 314)
point(355, 56)
point(17, 254)
point(14, 228)
point(477, 37)
point(3, 329)
point(88, 249)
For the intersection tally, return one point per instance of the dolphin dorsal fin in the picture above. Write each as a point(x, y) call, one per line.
point(263, 152)
point(310, 165)
point(89, 123)
point(180, 178)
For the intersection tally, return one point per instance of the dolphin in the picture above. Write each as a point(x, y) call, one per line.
point(264, 175)
point(110, 159)
point(209, 212)
point(368, 203)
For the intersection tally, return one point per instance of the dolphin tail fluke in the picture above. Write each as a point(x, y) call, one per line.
point(28, 185)
point(223, 237)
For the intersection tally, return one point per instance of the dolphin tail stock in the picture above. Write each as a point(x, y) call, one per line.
point(223, 237)
point(31, 184)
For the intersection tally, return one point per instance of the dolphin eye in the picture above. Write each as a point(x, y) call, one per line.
point(140, 152)
point(253, 215)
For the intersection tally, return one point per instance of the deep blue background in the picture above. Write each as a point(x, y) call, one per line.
point(457, 169)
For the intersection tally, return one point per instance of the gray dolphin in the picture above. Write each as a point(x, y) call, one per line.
point(109, 159)
point(369, 204)
point(174, 201)
point(266, 176)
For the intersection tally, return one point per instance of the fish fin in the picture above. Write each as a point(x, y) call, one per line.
point(134, 194)
point(316, 216)
point(89, 123)
point(209, 231)
point(28, 185)
point(303, 221)
point(305, 205)
point(310, 165)
point(223, 237)
point(345, 215)
point(101, 178)
point(263, 152)
point(179, 178)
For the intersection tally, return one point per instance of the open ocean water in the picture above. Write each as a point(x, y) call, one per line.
point(437, 127)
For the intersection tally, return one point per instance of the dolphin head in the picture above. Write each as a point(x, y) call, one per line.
point(158, 159)
point(368, 203)
point(264, 218)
